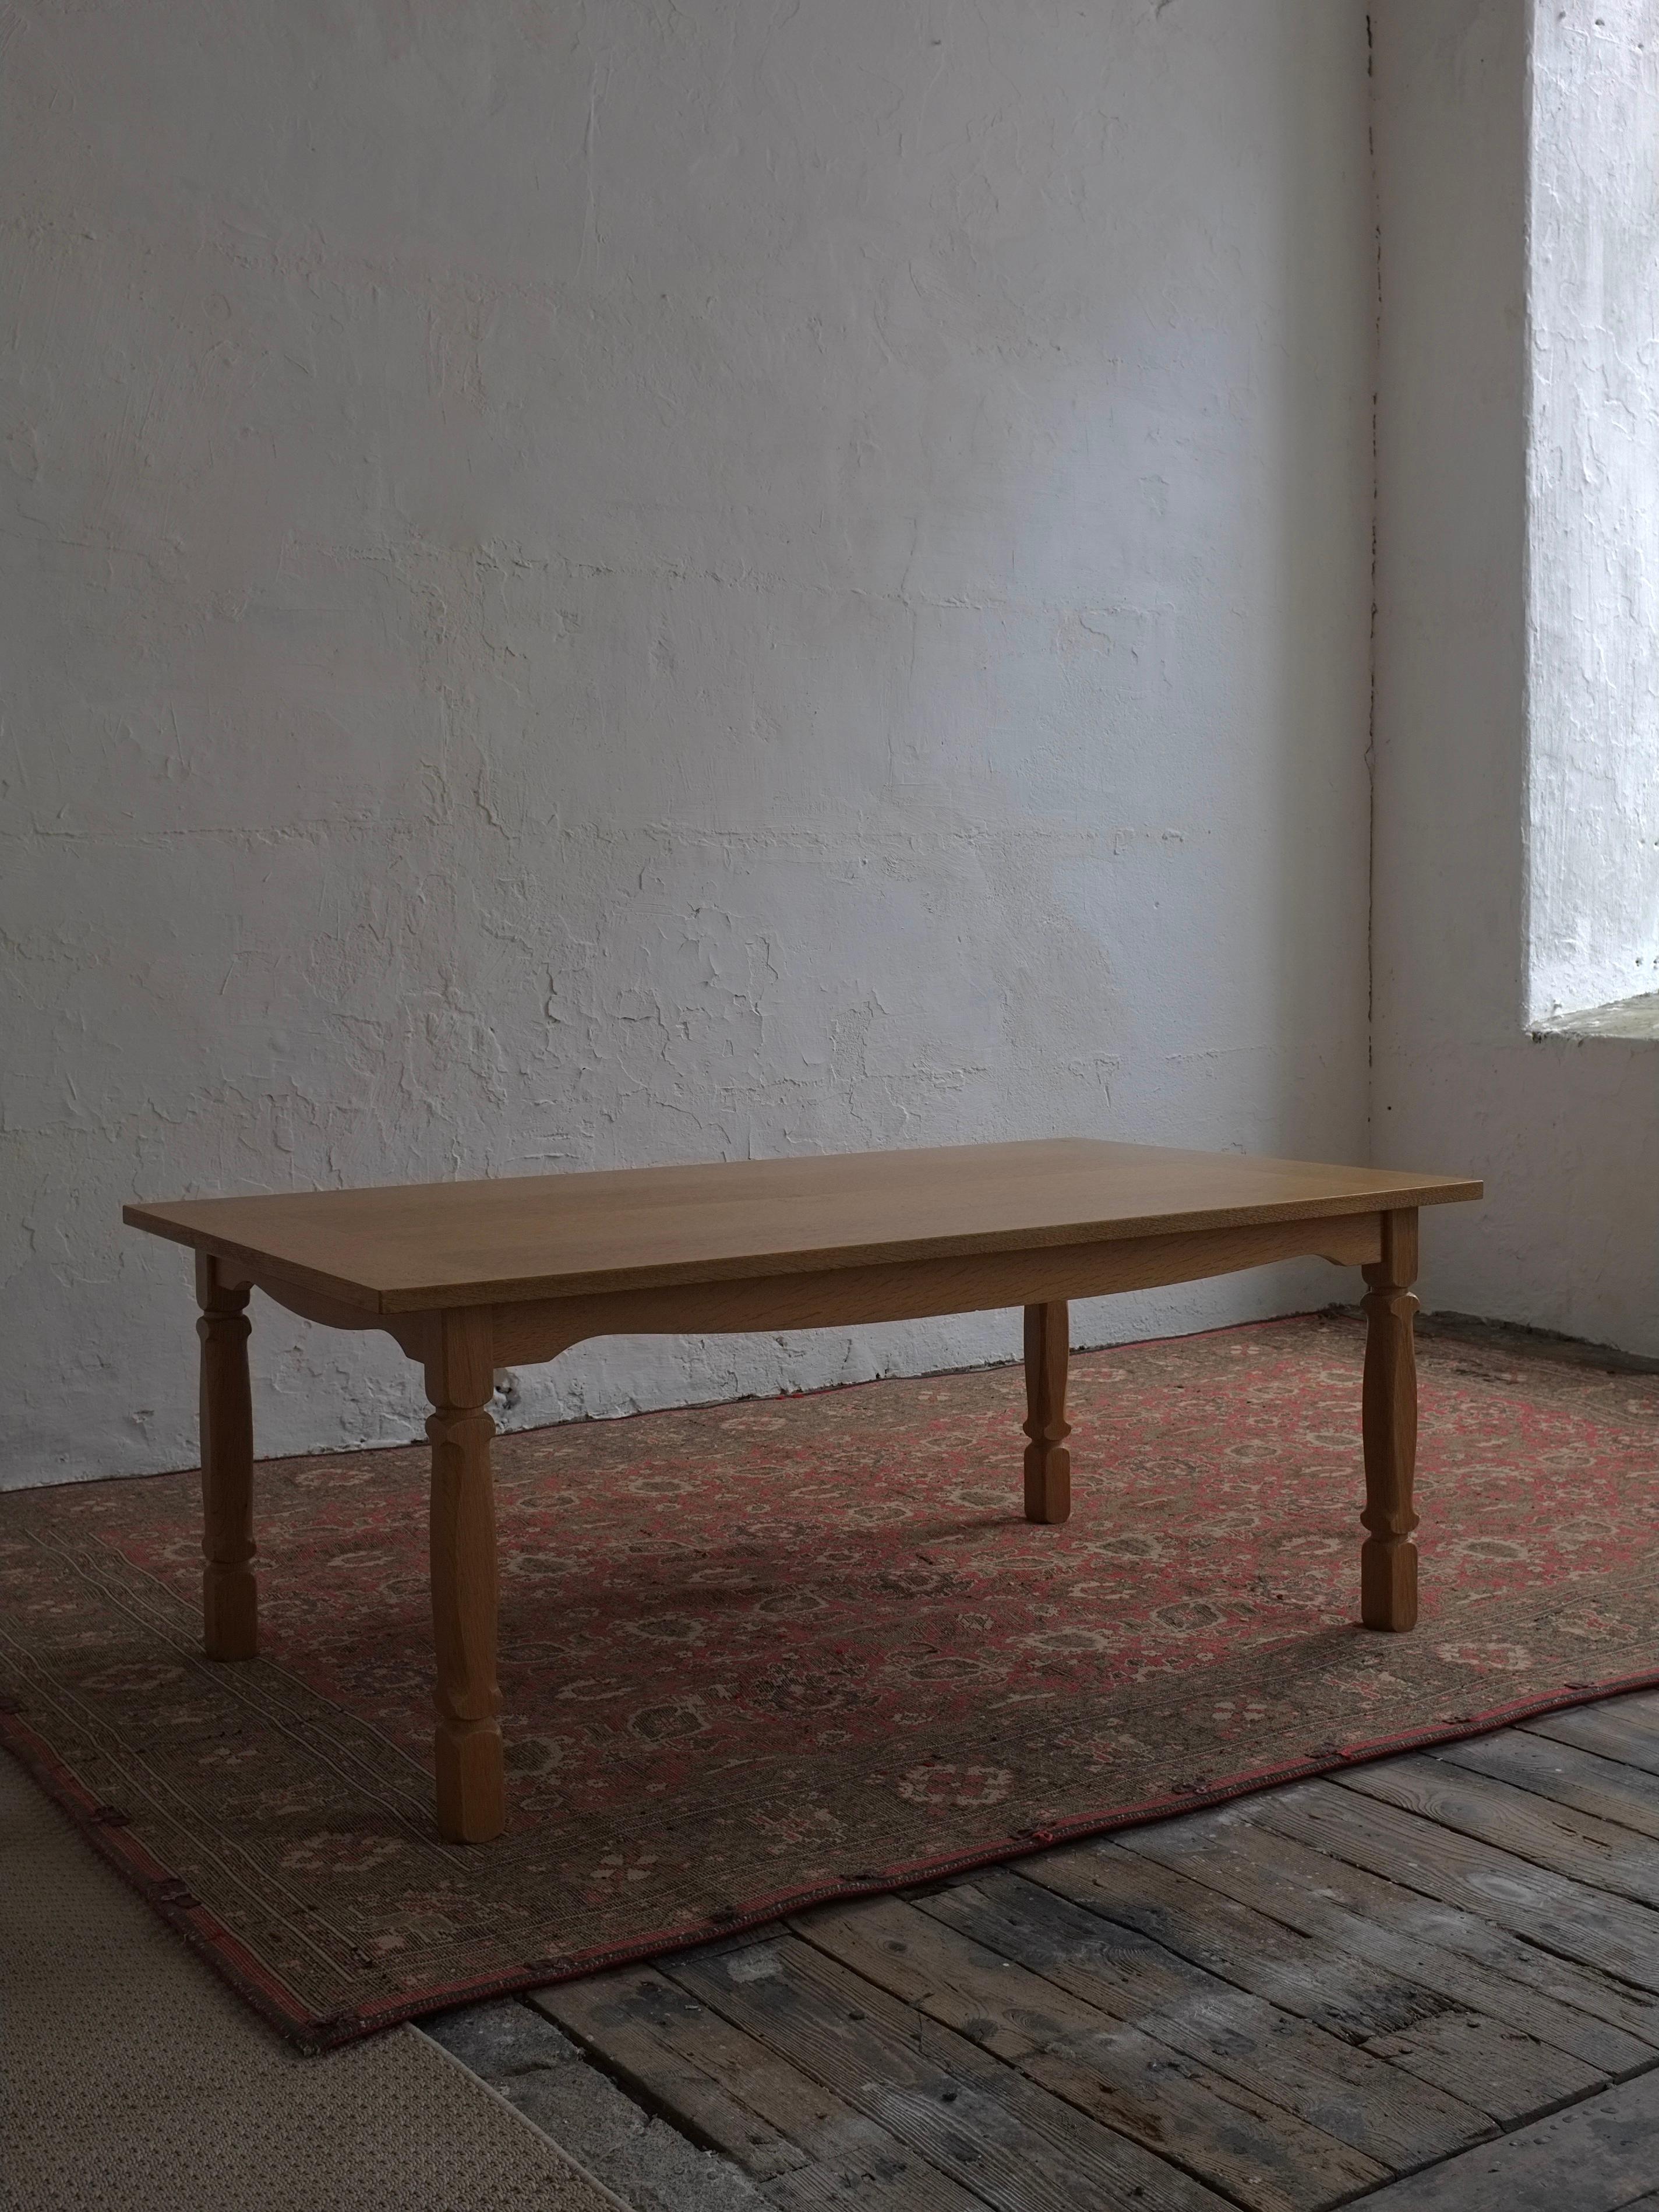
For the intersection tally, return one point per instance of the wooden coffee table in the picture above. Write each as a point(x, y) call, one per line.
point(468, 1277)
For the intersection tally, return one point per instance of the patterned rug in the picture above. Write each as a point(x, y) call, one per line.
point(758, 1655)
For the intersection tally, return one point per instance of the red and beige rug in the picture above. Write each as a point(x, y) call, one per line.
point(758, 1655)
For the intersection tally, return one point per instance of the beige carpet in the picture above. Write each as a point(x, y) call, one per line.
point(131, 2077)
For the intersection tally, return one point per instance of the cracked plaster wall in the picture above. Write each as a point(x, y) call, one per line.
point(591, 584)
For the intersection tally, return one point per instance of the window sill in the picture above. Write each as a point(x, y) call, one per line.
point(1631, 1019)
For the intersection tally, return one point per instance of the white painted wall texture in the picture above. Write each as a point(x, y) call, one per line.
point(1564, 1131)
point(595, 584)
point(1593, 705)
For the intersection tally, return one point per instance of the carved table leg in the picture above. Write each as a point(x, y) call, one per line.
point(230, 1602)
point(1388, 1558)
point(1048, 1462)
point(459, 1380)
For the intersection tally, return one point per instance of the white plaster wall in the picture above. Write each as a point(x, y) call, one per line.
point(1594, 497)
point(594, 584)
point(1563, 1132)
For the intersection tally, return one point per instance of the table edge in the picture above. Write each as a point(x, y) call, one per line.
point(516, 1289)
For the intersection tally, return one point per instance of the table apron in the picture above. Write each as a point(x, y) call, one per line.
point(916, 1290)
point(531, 1330)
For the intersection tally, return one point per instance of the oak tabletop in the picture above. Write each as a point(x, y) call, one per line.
point(412, 1247)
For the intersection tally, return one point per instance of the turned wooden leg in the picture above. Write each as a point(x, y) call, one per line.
point(1048, 1462)
point(1388, 1558)
point(459, 1379)
point(230, 1602)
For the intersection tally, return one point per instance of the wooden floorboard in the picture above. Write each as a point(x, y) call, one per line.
point(1375, 2108)
point(1578, 1921)
point(1625, 1728)
point(1448, 1951)
point(974, 2119)
point(736, 2094)
point(1597, 1852)
point(1608, 1789)
point(1597, 2157)
point(1228, 2133)
point(1428, 1986)
point(1498, 2066)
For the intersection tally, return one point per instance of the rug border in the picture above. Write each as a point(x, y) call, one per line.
point(106, 1830)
